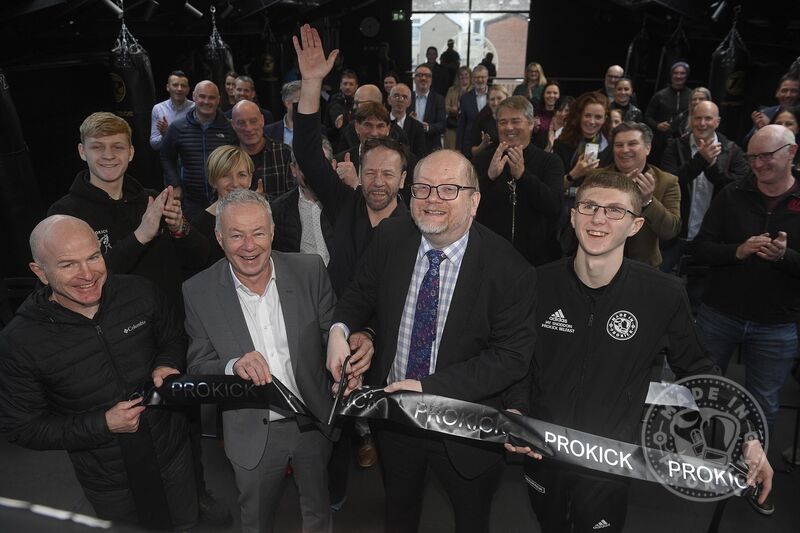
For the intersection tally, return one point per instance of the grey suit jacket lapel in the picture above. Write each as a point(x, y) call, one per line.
point(232, 310)
point(285, 282)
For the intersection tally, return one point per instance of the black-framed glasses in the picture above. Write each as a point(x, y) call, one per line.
point(611, 212)
point(446, 191)
point(422, 75)
point(764, 157)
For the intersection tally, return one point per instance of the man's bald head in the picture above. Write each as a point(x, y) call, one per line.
point(245, 107)
point(772, 134)
point(54, 230)
point(368, 93)
point(207, 86)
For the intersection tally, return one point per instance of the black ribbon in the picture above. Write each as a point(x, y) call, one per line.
point(227, 390)
point(565, 445)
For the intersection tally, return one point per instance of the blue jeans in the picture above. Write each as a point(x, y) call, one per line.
point(769, 351)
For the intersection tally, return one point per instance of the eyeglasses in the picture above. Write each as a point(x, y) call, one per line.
point(400, 96)
point(764, 157)
point(611, 212)
point(423, 75)
point(446, 191)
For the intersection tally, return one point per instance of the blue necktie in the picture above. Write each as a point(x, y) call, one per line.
point(423, 333)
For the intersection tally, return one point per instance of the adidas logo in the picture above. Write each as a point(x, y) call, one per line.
point(601, 525)
point(558, 322)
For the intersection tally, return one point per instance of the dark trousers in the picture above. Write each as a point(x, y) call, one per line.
point(405, 456)
point(569, 501)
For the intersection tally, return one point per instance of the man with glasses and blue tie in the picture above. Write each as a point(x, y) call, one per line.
point(602, 320)
point(750, 238)
point(453, 304)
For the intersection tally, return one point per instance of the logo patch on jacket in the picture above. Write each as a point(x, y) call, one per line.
point(794, 204)
point(622, 325)
point(105, 240)
point(133, 327)
point(558, 322)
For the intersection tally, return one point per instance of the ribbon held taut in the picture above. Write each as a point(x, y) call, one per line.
point(479, 422)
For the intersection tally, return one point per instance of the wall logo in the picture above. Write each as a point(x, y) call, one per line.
point(558, 322)
point(622, 325)
point(697, 452)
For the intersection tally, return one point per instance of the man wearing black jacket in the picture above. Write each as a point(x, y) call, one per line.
point(140, 232)
point(188, 142)
point(602, 322)
point(70, 360)
point(705, 161)
point(521, 185)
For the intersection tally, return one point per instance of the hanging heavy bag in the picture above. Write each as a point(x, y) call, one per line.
point(727, 82)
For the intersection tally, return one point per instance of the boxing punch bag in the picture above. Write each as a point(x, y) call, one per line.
point(727, 82)
point(675, 49)
point(133, 96)
point(20, 203)
point(218, 56)
point(637, 60)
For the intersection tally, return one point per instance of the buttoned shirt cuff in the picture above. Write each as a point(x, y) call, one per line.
point(343, 327)
point(229, 366)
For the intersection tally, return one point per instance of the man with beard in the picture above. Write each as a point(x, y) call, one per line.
point(353, 213)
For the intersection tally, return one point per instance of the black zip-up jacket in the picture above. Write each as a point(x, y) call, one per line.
point(532, 224)
point(595, 350)
point(188, 139)
point(345, 208)
point(114, 222)
point(754, 289)
point(677, 159)
point(665, 105)
point(60, 372)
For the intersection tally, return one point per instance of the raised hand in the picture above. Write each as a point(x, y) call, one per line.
point(310, 56)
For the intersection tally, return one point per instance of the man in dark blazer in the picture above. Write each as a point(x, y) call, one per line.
point(483, 341)
point(470, 105)
point(282, 131)
point(427, 106)
point(399, 100)
point(261, 315)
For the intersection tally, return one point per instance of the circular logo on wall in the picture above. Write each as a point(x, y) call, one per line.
point(622, 325)
point(118, 89)
point(696, 450)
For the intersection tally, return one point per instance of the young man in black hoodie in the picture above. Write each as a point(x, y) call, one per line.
point(140, 231)
point(602, 324)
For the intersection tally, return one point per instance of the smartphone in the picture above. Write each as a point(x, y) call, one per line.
point(591, 152)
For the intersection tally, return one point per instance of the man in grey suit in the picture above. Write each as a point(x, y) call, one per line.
point(258, 314)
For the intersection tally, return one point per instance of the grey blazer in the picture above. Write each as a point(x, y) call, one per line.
point(218, 333)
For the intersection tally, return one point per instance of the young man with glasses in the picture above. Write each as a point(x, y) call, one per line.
point(603, 321)
point(521, 185)
point(750, 238)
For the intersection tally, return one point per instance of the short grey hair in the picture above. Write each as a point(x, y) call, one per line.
point(644, 129)
point(480, 67)
point(516, 103)
point(241, 197)
point(290, 90)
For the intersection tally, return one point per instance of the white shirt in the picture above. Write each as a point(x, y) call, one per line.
point(481, 98)
point(172, 112)
point(448, 276)
point(702, 191)
point(399, 121)
point(264, 318)
point(311, 238)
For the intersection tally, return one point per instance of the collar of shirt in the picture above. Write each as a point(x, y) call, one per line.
point(453, 253)
point(399, 121)
point(418, 95)
point(238, 285)
point(177, 108)
point(285, 127)
point(303, 201)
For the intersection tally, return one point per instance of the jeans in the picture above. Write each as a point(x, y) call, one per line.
point(769, 351)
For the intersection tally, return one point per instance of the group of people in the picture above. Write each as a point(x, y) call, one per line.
point(270, 254)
